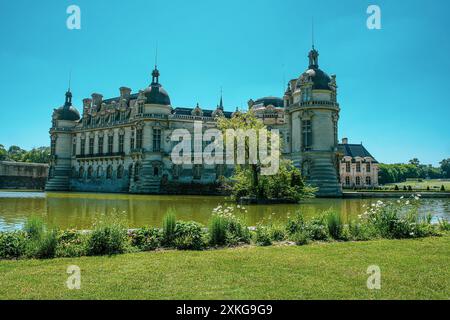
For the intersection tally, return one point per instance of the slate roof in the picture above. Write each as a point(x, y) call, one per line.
point(355, 150)
point(206, 113)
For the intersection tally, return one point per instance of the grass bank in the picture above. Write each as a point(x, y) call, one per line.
point(410, 269)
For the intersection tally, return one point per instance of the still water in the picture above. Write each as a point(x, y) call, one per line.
point(79, 210)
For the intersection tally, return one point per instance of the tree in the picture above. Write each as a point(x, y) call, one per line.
point(3, 153)
point(414, 162)
point(16, 153)
point(445, 168)
point(247, 181)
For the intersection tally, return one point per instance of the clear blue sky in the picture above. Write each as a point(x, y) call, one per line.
point(394, 83)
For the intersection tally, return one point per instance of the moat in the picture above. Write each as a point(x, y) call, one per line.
point(79, 210)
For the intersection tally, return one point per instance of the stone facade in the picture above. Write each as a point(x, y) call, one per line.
point(124, 144)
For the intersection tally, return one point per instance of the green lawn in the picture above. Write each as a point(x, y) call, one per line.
point(411, 269)
point(434, 184)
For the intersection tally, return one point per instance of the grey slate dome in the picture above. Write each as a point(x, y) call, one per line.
point(155, 93)
point(320, 79)
point(267, 101)
point(67, 111)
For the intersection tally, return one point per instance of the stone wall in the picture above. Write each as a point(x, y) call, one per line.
point(22, 175)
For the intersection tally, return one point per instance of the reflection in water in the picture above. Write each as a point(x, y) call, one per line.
point(79, 210)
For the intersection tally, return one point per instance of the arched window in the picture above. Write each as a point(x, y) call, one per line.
point(155, 171)
point(99, 171)
point(368, 181)
point(358, 181)
point(120, 172)
point(109, 172)
point(137, 170)
point(90, 172)
point(347, 180)
point(197, 171)
point(81, 172)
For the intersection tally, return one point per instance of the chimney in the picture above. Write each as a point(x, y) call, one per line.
point(86, 104)
point(344, 140)
point(125, 92)
point(97, 99)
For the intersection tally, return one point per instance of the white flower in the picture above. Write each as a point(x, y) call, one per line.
point(238, 206)
point(407, 202)
point(402, 197)
point(416, 198)
point(398, 201)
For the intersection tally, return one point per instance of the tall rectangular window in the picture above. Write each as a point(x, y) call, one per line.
point(110, 144)
point(335, 127)
point(74, 148)
point(53, 147)
point(100, 144)
point(156, 140)
point(132, 140)
point(121, 139)
point(306, 134)
point(368, 167)
point(139, 133)
point(83, 146)
point(358, 167)
point(91, 146)
point(347, 166)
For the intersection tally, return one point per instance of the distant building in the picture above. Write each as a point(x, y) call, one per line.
point(123, 144)
point(358, 168)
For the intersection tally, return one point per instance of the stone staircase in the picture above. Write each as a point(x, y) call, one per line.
point(323, 175)
point(60, 181)
point(147, 183)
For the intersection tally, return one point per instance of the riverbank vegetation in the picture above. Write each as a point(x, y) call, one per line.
point(389, 220)
point(15, 153)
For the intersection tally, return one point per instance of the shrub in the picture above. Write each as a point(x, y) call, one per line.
point(409, 188)
point(444, 225)
point(301, 238)
point(218, 230)
point(188, 236)
point(262, 236)
point(396, 188)
point(295, 224)
point(71, 243)
point(169, 225)
point(107, 238)
point(34, 227)
point(12, 244)
point(317, 228)
point(277, 232)
point(359, 231)
point(146, 238)
point(45, 247)
point(236, 231)
point(442, 188)
point(335, 225)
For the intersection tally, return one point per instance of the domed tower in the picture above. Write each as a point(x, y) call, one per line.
point(64, 119)
point(154, 97)
point(313, 114)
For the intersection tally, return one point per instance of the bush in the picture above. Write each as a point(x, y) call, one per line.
point(107, 238)
point(262, 236)
point(442, 188)
point(317, 228)
point(444, 225)
point(359, 231)
point(295, 224)
point(45, 247)
point(189, 236)
point(12, 244)
point(226, 228)
point(218, 226)
point(301, 238)
point(71, 243)
point(34, 228)
point(335, 225)
point(277, 232)
point(396, 188)
point(169, 225)
point(146, 238)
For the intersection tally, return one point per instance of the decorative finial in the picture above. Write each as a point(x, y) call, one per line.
point(312, 32)
point(221, 100)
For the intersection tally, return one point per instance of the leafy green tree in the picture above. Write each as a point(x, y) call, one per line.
point(247, 181)
point(3, 153)
point(445, 168)
point(16, 153)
